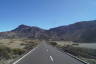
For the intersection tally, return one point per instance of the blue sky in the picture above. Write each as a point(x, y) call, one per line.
point(45, 13)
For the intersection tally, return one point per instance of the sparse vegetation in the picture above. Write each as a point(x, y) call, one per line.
point(75, 44)
point(83, 52)
point(30, 45)
point(18, 51)
point(53, 43)
point(5, 52)
point(11, 49)
point(86, 54)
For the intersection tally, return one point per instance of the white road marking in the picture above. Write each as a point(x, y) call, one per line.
point(47, 50)
point(25, 55)
point(51, 58)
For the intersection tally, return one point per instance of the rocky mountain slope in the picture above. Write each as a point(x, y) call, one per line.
point(24, 31)
point(81, 32)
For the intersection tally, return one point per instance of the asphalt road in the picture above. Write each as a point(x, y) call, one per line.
point(46, 54)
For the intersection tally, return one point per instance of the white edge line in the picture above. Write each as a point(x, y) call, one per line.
point(25, 55)
point(77, 58)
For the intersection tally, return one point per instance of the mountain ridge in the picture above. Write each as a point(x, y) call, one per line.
point(79, 32)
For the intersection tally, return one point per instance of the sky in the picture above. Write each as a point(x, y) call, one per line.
point(45, 13)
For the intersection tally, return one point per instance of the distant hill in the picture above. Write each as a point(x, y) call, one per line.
point(80, 32)
point(84, 31)
point(24, 31)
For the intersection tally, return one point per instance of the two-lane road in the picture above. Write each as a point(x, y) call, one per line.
point(46, 54)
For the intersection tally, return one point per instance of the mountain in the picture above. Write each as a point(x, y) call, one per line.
point(81, 32)
point(84, 31)
point(24, 31)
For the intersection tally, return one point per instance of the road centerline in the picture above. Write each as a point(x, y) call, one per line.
point(47, 50)
point(51, 58)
